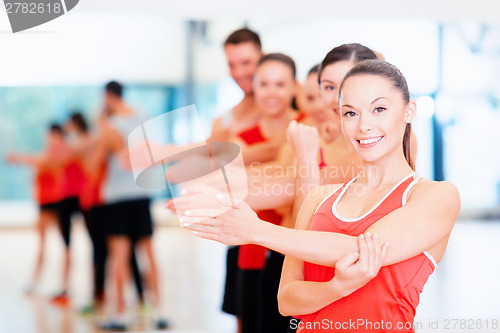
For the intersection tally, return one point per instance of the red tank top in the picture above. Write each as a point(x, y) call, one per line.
point(254, 256)
point(252, 135)
point(388, 302)
point(322, 163)
point(300, 117)
point(48, 186)
point(90, 195)
point(74, 179)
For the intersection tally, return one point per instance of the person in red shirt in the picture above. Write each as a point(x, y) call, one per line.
point(73, 181)
point(386, 199)
point(274, 89)
point(48, 188)
point(309, 100)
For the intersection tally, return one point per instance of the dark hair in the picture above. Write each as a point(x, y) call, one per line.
point(352, 52)
point(313, 70)
point(56, 128)
point(392, 73)
point(279, 57)
point(115, 88)
point(244, 35)
point(77, 119)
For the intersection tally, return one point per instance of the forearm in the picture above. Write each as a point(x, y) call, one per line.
point(260, 152)
point(308, 177)
point(268, 171)
point(321, 248)
point(305, 297)
point(23, 159)
point(262, 196)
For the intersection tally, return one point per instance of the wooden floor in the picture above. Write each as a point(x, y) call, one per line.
point(464, 286)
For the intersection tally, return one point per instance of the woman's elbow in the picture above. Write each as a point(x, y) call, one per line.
point(284, 303)
point(283, 307)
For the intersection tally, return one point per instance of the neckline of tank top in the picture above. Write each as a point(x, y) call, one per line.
point(356, 219)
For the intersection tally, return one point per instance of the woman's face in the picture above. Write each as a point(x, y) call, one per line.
point(374, 116)
point(312, 103)
point(54, 138)
point(331, 78)
point(69, 127)
point(274, 87)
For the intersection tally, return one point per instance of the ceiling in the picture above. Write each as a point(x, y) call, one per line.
point(441, 10)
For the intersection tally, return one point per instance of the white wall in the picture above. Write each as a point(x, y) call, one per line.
point(84, 48)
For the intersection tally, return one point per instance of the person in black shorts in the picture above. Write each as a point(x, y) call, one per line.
point(126, 207)
point(86, 199)
point(47, 188)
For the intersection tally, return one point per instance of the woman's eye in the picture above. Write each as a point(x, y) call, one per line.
point(329, 88)
point(380, 109)
point(349, 114)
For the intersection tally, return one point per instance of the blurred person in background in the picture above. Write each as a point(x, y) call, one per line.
point(243, 51)
point(126, 209)
point(93, 163)
point(48, 184)
point(274, 89)
point(309, 99)
point(74, 179)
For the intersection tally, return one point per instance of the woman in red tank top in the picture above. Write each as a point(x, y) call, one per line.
point(274, 89)
point(387, 199)
point(48, 188)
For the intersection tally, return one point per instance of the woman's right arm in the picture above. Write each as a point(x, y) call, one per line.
point(38, 161)
point(299, 297)
point(305, 143)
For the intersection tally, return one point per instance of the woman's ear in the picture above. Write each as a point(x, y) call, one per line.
point(410, 111)
point(297, 88)
point(298, 93)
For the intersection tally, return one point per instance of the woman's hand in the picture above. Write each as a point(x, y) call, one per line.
point(193, 196)
point(355, 270)
point(13, 158)
point(304, 141)
point(234, 225)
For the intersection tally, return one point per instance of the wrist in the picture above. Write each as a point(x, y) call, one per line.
point(306, 159)
point(255, 233)
point(338, 289)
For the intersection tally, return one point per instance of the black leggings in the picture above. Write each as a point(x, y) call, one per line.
point(270, 320)
point(258, 301)
point(248, 282)
point(66, 208)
